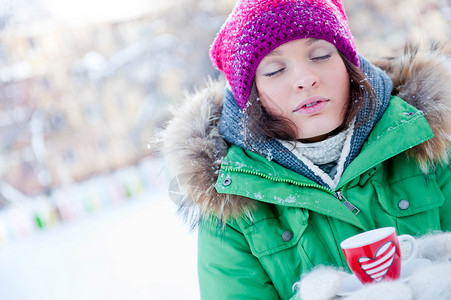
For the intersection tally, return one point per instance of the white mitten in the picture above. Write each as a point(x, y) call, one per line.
point(435, 247)
point(428, 281)
point(321, 283)
point(387, 290)
point(432, 282)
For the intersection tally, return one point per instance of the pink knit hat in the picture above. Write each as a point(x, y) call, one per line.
point(256, 27)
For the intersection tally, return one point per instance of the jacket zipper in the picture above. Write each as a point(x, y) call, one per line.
point(338, 194)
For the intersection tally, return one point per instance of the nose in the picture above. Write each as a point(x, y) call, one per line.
point(305, 80)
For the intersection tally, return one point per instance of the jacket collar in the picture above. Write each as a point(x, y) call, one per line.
point(401, 128)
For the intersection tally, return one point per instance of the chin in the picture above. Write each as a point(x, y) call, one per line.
point(313, 139)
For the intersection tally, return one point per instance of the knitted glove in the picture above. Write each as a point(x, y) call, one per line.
point(432, 281)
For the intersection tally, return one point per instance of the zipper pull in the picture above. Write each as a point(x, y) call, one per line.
point(349, 205)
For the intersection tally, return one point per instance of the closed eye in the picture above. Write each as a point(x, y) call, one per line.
point(270, 74)
point(324, 57)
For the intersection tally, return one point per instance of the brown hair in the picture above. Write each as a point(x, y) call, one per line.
point(260, 125)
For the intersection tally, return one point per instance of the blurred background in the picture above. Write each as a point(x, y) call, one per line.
point(84, 85)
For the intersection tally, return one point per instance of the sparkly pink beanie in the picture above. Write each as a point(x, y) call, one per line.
point(256, 27)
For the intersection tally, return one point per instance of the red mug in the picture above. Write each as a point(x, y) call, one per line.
point(375, 255)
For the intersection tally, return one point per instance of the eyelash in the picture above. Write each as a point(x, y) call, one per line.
point(274, 73)
point(324, 57)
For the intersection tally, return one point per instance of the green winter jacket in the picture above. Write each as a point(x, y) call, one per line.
point(261, 226)
point(299, 224)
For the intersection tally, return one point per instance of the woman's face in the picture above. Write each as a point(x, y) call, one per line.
point(307, 82)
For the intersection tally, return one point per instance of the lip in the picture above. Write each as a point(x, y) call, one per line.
point(314, 105)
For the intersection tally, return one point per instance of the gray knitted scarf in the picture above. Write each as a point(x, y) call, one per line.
point(231, 126)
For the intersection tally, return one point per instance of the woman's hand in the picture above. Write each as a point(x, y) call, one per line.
point(431, 281)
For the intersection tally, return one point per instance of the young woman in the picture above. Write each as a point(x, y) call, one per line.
point(309, 144)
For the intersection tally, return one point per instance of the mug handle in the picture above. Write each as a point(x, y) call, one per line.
point(413, 244)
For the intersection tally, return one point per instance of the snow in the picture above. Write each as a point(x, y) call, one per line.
point(137, 250)
point(81, 11)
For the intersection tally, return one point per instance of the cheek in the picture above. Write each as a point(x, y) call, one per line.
point(269, 104)
point(346, 89)
point(341, 84)
point(269, 97)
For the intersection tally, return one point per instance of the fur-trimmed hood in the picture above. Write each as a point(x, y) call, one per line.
point(193, 149)
point(422, 77)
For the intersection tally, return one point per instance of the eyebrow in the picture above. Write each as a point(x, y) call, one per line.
point(273, 52)
point(308, 44)
point(311, 41)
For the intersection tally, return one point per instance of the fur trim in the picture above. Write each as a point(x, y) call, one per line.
point(193, 151)
point(422, 77)
point(193, 148)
